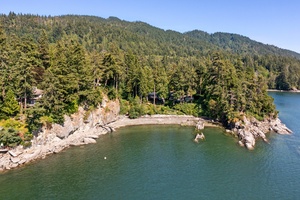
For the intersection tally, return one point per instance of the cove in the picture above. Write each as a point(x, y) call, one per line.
point(163, 162)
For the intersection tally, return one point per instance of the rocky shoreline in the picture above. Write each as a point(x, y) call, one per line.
point(80, 130)
point(249, 130)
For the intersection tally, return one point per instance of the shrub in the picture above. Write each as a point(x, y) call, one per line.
point(112, 94)
point(124, 107)
point(14, 132)
point(136, 108)
point(133, 114)
point(10, 137)
point(188, 108)
point(72, 107)
point(46, 121)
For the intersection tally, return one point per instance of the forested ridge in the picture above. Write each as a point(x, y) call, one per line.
point(74, 60)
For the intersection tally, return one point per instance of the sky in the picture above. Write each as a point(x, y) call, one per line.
point(275, 22)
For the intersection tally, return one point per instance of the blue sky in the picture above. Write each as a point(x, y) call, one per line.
point(274, 22)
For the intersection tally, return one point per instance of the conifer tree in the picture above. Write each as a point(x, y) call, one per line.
point(44, 57)
point(25, 60)
point(10, 107)
point(132, 70)
point(5, 76)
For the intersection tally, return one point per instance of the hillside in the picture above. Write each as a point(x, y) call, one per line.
point(281, 67)
point(239, 44)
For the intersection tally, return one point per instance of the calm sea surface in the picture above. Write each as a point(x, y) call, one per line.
point(163, 162)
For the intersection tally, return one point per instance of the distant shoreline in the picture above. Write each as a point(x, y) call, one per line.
point(291, 91)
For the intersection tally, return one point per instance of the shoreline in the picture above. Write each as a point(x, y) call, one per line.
point(183, 120)
point(289, 91)
point(50, 142)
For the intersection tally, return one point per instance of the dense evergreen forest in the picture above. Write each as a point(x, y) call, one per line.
point(74, 60)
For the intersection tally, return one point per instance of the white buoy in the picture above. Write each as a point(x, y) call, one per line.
point(105, 158)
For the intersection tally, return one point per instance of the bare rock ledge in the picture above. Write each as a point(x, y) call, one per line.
point(248, 130)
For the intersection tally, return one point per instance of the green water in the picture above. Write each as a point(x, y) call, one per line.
point(162, 162)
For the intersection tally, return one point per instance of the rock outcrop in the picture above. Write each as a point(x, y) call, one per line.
point(78, 129)
point(200, 125)
point(248, 130)
point(199, 136)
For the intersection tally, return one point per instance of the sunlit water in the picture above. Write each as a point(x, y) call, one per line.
point(163, 162)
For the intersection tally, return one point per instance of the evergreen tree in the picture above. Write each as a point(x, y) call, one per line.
point(43, 56)
point(132, 71)
point(220, 89)
point(10, 106)
point(161, 82)
point(5, 77)
point(25, 60)
point(146, 81)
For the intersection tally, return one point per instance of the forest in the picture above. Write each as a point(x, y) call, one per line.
point(75, 60)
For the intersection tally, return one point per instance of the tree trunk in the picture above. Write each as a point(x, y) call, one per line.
point(25, 101)
point(154, 95)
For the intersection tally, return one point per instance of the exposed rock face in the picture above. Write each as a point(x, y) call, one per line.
point(200, 125)
point(248, 130)
point(78, 129)
point(199, 137)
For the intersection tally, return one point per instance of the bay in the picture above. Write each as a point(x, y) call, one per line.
point(163, 162)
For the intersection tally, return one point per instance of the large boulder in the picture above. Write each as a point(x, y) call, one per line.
point(246, 138)
point(63, 131)
point(199, 137)
point(200, 125)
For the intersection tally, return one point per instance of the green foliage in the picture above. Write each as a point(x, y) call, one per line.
point(13, 132)
point(124, 107)
point(93, 97)
point(188, 108)
point(13, 123)
point(10, 106)
point(9, 137)
point(73, 65)
point(227, 91)
point(136, 108)
point(46, 121)
point(72, 107)
point(33, 117)
point(134, 113)
point(112, 94)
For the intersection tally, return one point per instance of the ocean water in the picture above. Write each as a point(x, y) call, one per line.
point(163, 162)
